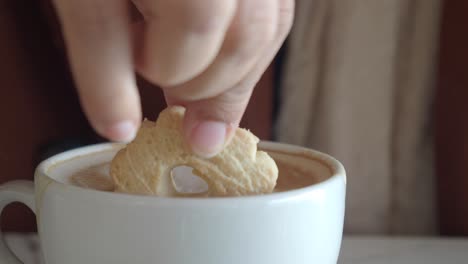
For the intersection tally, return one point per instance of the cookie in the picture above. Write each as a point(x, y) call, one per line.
point(144, 165)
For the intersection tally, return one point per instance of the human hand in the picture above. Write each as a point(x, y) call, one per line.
point(207, 55)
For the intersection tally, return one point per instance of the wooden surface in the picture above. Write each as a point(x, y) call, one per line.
point(38, 102)
point(452, 120)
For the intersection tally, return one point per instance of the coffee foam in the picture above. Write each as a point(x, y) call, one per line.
point(63, 170)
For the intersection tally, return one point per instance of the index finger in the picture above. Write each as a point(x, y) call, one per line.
point(97, 35)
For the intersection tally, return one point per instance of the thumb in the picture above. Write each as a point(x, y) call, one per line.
point(210, 124)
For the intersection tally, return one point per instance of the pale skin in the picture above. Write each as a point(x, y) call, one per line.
point(207, 55)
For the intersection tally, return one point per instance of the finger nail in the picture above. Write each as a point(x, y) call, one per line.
point(123, 131)
point(207, 138)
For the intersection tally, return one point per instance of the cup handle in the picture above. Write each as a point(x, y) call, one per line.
point(14, 191)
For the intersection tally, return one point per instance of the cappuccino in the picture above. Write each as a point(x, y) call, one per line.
point(296, 170)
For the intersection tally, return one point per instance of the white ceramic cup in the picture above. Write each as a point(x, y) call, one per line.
point(85, 226)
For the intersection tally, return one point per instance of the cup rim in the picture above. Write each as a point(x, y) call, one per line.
point(338, 176)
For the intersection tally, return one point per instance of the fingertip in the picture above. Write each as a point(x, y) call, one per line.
point(209, 125)
point(207, 138)
point(121, 131)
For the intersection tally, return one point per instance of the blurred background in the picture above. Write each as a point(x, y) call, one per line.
point(381, 85)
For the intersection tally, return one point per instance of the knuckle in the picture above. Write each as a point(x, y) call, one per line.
point(252, 29)
point(89, 19)
point(206, 16)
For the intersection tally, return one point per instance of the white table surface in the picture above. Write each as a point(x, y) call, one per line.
point(381, 250)
point(355, 250)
